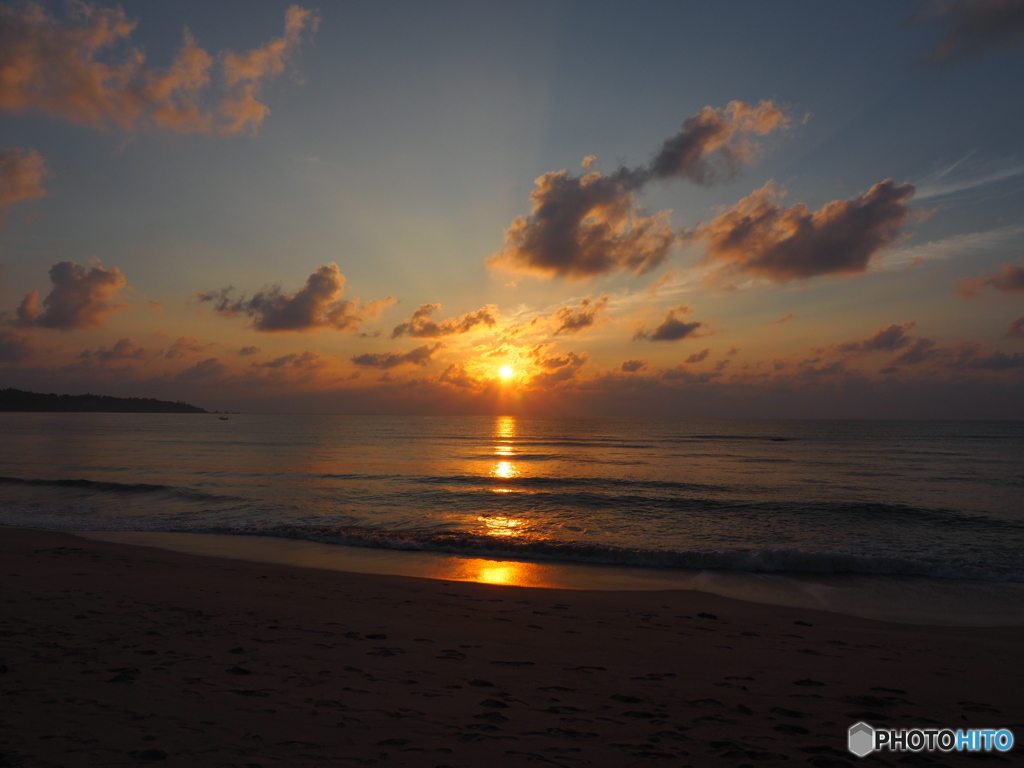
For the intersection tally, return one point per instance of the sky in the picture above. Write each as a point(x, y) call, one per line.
point(677, 209)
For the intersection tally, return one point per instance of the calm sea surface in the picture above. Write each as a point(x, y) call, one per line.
point(941, 499)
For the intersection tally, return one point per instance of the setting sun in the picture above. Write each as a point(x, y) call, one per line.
point(506, 372)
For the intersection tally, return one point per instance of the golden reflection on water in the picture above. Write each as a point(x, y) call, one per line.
point(501, 526)
point(505, 470)
point(500, 572)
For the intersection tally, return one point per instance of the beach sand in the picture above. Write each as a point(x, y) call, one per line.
point(122, 655)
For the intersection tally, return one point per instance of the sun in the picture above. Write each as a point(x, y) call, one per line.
point(506, 372)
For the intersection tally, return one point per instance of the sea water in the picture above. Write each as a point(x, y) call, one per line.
point(805, 499)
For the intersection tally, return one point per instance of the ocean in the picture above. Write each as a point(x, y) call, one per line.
point(939, 500)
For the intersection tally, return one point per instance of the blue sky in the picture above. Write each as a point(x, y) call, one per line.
point(404, 139)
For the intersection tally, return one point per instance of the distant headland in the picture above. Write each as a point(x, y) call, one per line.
point(20, 400)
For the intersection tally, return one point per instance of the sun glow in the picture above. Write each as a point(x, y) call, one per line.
point(506, 372)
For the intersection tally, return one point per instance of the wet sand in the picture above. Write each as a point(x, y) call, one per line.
point(124, 655)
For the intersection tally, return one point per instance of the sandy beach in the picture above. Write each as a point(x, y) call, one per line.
point(120, 655)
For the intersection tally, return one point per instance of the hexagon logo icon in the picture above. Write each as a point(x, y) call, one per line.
point(861, 739)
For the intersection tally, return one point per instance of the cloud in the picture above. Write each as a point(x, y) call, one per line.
point(385, 360)
point(245, 74)
point(123, 349)
point(316, 305)
point(185, 346)
point(305, 361)
point(80, 298)
point(632, 366)
point(15, 347)
point(569, 320)
point(457, 376)
point(245, 351)
point(974, 26)
point(672, 328)
point(715, 143)
point(759, 237)
point(420, 325)
point(1016, 329)
point(558, 369)
point(583, 226)
point(883, 340)
point(206, 370)
point(21, 175)
point(68, 69)
point(919, 351)
point(697, 357)
point(784, 319)
point(1010, 279)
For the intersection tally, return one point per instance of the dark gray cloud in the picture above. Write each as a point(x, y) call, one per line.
point(80, 298)
point(206, 370)
point(632, 366)
point(672, 328)
point(716, 143)
point(245, 351)
point(1016, 329)
point(761, 238)
point(570, 320)
point(185, 346)
point(316, 305)
point(15, 347)
point(919, 351)
point(583, 226)
point(419, 356)
point(1010, 279)
point(123, 349)
point(697, 357)
point(883, 340)
point(420, 325)
point(974, 26)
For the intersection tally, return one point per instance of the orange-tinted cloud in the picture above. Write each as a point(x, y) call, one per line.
point(246, 73)
point(21, 177)
point(420, 325)
point(583, 226)
point(975, 26)
point(68, 69)
point(672, 328)
point(185, 346)
point(1016, 329)
point(316, 305)
point(418, 356)
point(697, 357)
point(632, 366)
point(1010, 279)
point(80, 298)
point(761, 238)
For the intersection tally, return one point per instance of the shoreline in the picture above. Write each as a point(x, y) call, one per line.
point(912, 600)
point(119, 654)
